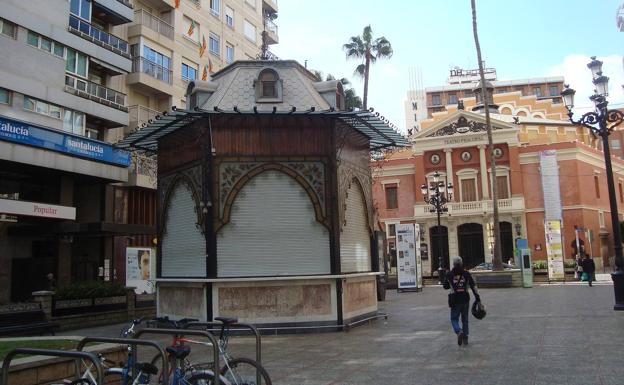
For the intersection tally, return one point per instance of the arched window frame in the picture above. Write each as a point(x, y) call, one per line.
point(259, 86)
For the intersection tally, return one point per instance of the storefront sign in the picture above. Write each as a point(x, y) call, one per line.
point(34, 209)
point(23, 133)
point(554, 249)
point(140, 261)
point(409, 264)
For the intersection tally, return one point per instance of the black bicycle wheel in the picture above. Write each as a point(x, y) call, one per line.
point(202, 378)
point(243, 371)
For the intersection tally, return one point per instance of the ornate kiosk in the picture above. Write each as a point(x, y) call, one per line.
point(265, 208)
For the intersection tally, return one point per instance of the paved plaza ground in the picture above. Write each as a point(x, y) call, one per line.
point(548, 334)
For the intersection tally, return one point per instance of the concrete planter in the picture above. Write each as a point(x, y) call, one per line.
point(71, 303)
point(110, 300)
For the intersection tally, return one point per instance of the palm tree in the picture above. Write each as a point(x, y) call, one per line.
point(496, 260)
point(369, 50)
point(351, 98)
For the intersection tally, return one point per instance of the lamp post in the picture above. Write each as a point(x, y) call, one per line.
point(601, 122)
point(438, 195)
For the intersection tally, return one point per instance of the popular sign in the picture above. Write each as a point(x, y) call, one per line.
point(33, 209)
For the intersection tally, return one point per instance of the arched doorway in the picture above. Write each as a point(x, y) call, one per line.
point(470, 239)
point(434, 239)
point(507, 243)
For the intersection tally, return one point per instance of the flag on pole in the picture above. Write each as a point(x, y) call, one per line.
point(177, 3)
point(205, 74)
point(210, 66)
point(202, 49)
point(191, 28)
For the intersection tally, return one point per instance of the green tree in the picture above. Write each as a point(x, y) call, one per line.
point(368, 50)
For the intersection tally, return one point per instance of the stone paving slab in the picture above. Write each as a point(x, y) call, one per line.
point(548, 334)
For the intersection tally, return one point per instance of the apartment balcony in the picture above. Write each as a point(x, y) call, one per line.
point(143, 171)
point(114, 12)
point(150, 77)
point(99, 37)
point(269, 5)
point(271, 29)
point(458, 209)
point(152, 27)
point(95, 92)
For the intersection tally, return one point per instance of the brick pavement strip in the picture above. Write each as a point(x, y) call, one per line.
point(551, 334)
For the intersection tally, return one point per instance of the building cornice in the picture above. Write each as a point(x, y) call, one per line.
point(402, 169)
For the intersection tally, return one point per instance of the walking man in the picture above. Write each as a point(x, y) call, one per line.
point(589, 267)
point(458, 280)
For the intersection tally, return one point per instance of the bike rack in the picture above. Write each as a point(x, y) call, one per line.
point(52, 353)
point(183, 332)
point(133, 343)
point(216, 326)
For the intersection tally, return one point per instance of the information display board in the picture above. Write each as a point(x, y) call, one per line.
point(409, 263)
point(554, 249)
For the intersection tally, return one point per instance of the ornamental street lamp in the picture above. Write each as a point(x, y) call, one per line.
point(438, 195)
point(602, 122)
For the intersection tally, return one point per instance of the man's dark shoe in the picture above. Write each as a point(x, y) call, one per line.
point(460, 338)
point(465, 340)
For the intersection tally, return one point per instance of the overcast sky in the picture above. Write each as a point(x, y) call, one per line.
point(521, 39)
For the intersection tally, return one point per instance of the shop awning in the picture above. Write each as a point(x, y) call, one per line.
point(378, 130)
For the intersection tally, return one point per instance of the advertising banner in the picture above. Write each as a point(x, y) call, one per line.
point(554, 249)
point(409, 264)
point(140, 269)
point(49, 139)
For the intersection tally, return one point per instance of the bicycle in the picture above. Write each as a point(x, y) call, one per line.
point(123, 374)
point(235, 371)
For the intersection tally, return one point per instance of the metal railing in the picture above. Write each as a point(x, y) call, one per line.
point(474, 207)
point(93, 89)
point(108, 40)
point(270, 25)
point(127, 3)
point(154, 23)
point(141, 64)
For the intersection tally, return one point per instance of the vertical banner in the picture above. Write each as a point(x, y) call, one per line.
point(409, 275)
point(549, 170)
point(140, 261)
point(554, 249)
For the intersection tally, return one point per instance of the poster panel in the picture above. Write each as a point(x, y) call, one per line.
point(408, 257)
point(140, 261)
point(554, 249)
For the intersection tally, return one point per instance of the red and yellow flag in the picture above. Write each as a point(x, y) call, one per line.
point(202, 49)
point(177, 3)
point(205, 74)
point(191, 28)
point(210, 66)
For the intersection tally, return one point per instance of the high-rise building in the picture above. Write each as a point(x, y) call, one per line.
point(81, 74)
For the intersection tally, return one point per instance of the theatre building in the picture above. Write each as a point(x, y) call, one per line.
point(535, 147)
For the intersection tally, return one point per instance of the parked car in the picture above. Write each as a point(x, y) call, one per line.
point(490, 265)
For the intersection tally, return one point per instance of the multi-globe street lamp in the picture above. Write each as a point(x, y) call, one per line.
point(438, 195)
point(602, 122)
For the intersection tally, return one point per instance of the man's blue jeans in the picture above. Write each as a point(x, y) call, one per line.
point(456, 310)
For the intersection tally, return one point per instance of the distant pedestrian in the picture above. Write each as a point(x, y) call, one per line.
point(458, 280)
point(589, 268)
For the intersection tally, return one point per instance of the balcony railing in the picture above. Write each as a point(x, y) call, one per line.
point(270, 25)
point(127, 3)
point(473, 208)
point(137, 115)
point(96, 92)
point(154, 23)
point(141, 64)
point(105, 39)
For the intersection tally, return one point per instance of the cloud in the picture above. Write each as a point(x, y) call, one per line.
point(578, 76)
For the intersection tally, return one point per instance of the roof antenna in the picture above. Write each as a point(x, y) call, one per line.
point(305, 63)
